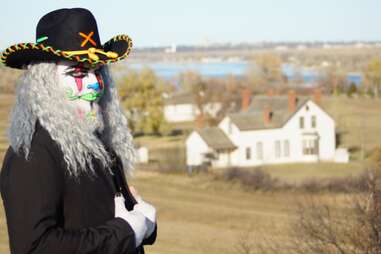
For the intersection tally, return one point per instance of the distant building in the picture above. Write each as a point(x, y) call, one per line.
point(281, 48)
point(181, 107)
point(273, 130)
point(142, 154)
point(172, 49)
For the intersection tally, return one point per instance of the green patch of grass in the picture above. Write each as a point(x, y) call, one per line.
point(295, 173)
point(157, 142)
point(358, 120)
point(187, 126)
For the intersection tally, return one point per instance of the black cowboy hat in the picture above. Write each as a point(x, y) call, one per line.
point(67, 34)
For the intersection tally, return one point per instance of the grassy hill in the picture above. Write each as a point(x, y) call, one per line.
point(201, 215)
point(358, 122)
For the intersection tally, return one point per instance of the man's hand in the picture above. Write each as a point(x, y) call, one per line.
point(147, 210)
point(134, 218)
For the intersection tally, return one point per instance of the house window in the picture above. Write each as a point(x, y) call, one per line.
point(277, 149)
point(217, 155)
point(248, 153)
point(286, 148)
point(313, 121)
point(259, 150)
point(230, 127)
point(310, 147)
point(301, 122)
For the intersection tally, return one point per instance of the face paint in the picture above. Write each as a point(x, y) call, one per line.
point(78, 80)
point(100, 80)
point(95, 86)
point(91, 96)
point(83, 87)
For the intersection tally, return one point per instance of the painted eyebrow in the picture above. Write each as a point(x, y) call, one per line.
point(77, 66)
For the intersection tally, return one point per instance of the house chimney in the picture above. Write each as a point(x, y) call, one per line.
point(200, 121)
point(267, 114)
point(246, 97)
point(270, 92)
point(317, 95)
point(291, 101)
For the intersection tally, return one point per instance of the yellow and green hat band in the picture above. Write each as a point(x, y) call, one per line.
point(92, 56)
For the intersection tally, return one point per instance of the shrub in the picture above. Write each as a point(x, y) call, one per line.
point(255, 180)
point(171, 159)
point(342, 184)
point(352, 90)
point(258, 179)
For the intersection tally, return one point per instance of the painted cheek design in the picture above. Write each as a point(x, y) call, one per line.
point(78, 80)
point(95, 86)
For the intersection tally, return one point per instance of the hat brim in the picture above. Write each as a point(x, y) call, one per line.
point(22, 54)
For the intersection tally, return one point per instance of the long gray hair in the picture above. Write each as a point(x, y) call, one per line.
point(40, 98)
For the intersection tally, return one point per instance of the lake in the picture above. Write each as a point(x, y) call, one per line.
point(169, 70)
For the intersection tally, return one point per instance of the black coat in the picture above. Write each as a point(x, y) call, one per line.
point(48, 211)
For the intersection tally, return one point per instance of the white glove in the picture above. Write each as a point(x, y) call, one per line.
point(149, 212)
point(134, 218)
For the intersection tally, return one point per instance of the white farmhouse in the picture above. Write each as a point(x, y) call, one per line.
point(181, 107)
point(273, 130)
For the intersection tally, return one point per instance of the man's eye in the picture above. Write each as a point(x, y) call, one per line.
point(78, 74)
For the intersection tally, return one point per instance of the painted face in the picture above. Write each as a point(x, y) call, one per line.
point(84, 86)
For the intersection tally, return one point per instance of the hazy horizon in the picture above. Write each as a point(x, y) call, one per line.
point(216, 43)
point(200, 22)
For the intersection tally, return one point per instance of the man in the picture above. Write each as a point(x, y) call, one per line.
point(62, 183)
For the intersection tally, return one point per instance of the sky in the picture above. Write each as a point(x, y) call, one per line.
point(166, 22)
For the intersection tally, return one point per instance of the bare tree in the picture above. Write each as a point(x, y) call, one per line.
point(270, 67)
point(354, 228)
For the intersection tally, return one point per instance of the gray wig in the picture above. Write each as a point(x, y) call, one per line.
point(40, 98)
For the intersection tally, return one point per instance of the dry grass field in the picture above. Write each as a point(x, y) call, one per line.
point(200, 215)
